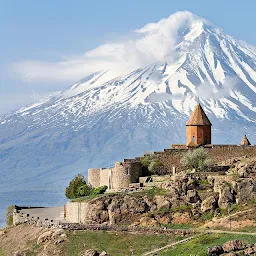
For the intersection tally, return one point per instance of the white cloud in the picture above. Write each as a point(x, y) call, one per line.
point(207, 91)
point(154, 42)
point(12, 101)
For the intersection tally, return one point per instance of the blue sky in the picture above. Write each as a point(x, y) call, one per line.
point(51, 30)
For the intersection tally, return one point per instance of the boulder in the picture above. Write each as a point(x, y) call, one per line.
point(19, 253)
point(2, 232)
point(192, 196)
point(162, 202)
point(226, 196)
point(90, 253)
point(209, 204)
point(233, 245)
point(181, 218)
point(180, 184)
point(58, 232)
point(215, 250)
point(148, 222)
point(150, 203)
point(52, 234)
point(165, 219)
point(246, 189)
point(104, 254)
point(126, 209)
point(251, 250)
point(45, 237)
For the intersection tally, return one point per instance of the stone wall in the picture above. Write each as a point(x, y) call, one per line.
point(106, 177)
point(76, 212)
point(217, 153)
point(221, 153)
point(47, 215)
point(94, 177)
point(120, 176)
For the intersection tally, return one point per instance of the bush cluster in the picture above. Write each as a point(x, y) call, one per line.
point(9, 215)
point(151, 162)
point(196, 159)
point(79, 188)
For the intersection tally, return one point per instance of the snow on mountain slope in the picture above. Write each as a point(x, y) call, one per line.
point(112, 115)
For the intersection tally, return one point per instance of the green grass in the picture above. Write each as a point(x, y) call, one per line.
point(155, 191)
point(203, 182)
point(251, 229)
point(86, 198)
point(114, 243)
point(34, 250)
point(180, 226)
point(182, 208)
point(199, 245)
point(1, 252)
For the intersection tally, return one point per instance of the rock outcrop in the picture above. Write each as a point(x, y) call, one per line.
point(56, 235)
point(232, 248)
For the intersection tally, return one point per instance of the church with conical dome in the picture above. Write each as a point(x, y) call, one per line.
point(199, 132)
point(198, 128)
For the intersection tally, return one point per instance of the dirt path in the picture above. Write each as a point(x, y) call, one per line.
point(229, 232)
point(170, 245)
point(191, 237)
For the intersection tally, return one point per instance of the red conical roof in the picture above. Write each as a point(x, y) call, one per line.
point(198, 117)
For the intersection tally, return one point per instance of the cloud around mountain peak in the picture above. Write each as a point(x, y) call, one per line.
point(155, 42)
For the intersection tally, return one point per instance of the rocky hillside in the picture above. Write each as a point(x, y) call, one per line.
point(180, 199)
point(24, 240)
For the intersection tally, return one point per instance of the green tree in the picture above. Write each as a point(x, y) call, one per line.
point(151, 162)
point(196, 159)
point(72, 191)
point(85, 190)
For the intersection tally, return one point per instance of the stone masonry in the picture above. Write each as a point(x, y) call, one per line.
point(117, 177)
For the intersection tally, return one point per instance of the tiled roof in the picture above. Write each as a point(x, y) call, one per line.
point(198, 117)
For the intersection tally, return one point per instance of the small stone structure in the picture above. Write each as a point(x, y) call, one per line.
point(42, 215)
point(117, 177)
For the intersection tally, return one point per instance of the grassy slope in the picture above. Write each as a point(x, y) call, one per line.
point(198, 246)
point(114, 243)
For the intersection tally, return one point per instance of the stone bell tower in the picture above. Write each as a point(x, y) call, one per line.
point(198, 128)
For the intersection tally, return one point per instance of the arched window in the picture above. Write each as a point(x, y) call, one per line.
point(194, 139)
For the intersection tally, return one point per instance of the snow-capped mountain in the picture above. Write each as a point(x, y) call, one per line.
point(108, 116)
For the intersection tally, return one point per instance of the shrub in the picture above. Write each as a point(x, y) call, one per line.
point(151, 162)
point(85, 190)
point(9, 215)
point(72, 191)
point(196, 159)
point(99, 190)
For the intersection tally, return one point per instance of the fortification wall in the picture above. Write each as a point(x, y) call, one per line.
point(218, 153)
point(171, 158)
point(120, 176)
point(134, 170)
point(221, 153)
point(94, 177)
point(77, 212)
point(105, 177)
